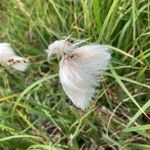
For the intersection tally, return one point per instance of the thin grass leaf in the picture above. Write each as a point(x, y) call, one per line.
point(139, 112)
point(126, 90)
point(138, 128)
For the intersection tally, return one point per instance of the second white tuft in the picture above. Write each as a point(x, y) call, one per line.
point(9, 58)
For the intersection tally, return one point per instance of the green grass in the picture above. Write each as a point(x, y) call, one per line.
point(35, 113)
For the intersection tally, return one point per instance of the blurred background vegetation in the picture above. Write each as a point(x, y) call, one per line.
point(35, 113)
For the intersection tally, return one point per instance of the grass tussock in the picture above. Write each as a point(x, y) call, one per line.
point(36, 114)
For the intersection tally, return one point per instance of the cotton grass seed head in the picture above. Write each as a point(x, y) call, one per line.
point(9, 58)
point(80, 68)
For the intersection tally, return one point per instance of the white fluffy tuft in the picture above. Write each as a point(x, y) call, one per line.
point(80, 68)
point(9, 58)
